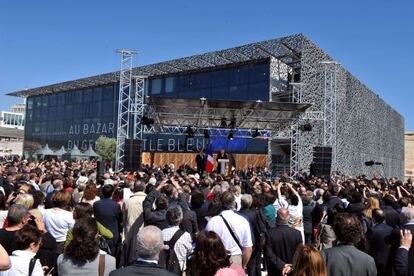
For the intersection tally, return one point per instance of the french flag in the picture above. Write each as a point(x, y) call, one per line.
point(210, 159)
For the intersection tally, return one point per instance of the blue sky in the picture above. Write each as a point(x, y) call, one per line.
point(44, 42)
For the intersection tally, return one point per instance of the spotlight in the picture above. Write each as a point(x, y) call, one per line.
point(190, 132)
point(147, 121)
point(307, 127)
point(255, 133)
point(230, 136)
point(206, 134)
point(232, 122)
point(223, 123)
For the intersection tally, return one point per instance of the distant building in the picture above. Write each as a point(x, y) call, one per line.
point(12, 130)
point(13, 118)
point(409, 154)
point(11, 141)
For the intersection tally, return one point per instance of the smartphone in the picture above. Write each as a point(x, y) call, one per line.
point(49, 271)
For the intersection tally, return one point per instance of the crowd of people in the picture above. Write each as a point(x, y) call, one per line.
point(63, 218)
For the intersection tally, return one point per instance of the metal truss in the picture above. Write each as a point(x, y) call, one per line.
point(313, 115)
point(296, 92)
point(138, 107)
point(124, 106)
point(294, 150)
point(215, 132)
point(211, 118)
point(329, 106)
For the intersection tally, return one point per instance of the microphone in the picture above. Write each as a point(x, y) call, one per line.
point(378, 163)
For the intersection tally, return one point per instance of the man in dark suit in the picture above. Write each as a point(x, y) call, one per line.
point(108, 213)
point(344, 258)
point(379, 241)
point(401, 256)
point(392, 218)
point(150, 243)
point(201, 159)
point(281, 245)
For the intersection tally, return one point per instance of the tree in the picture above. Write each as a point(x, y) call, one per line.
point(106, 148)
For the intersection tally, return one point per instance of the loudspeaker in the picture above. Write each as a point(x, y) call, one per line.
point(322, 161)
point(132, 155)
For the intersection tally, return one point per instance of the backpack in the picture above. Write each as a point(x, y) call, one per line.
point(168, 257)
point(264, 225)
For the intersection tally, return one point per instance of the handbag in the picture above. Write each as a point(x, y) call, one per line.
point(103, 245)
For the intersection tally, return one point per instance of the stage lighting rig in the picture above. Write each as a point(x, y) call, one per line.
point(256, 133)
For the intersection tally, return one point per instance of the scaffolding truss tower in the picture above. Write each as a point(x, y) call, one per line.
point(124, 105)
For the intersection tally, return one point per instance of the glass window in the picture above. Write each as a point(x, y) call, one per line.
point(38, 102)
point(30, 103)
point(77, 96)
point(170, 84)
point(185, 82)
point(219, 93)
point(258, 91)
point(108, 93)
point(220, 78)
point(259, 73)
point(68, 97)
point(45, 100)
point(52, 113)
point(87, 95)
point(239, 75)
point(97, 94)
point(52, 99)
point(238, 92)
point(107, 109)
point(61, 99)
point(60, 112)
point(202, 80)
point(68, 111)
point(156, 86)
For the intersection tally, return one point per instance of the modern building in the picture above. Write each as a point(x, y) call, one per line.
point(364, 127)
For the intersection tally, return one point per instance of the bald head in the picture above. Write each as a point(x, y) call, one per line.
point(282, 216)
point(149, 242)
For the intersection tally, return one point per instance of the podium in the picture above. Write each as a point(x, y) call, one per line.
point(222, 165)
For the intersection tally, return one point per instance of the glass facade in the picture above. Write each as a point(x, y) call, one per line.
point(79, 117)
point(70, 118)
point(248, 82)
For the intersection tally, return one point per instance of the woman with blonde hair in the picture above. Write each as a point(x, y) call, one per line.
point(308, 261)
point(373, 203)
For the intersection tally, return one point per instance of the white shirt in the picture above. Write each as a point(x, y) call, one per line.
point(240, 227)
point(182, 248)
point(58, 222)
point(20, 261)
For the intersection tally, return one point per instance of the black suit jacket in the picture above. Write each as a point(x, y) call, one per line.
point(108, 213)
point(201, 162)
point(280, 247)
point(141, 269)
point(401, 263)
point(379, 240)
point(392, 218)
point(347, 260)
